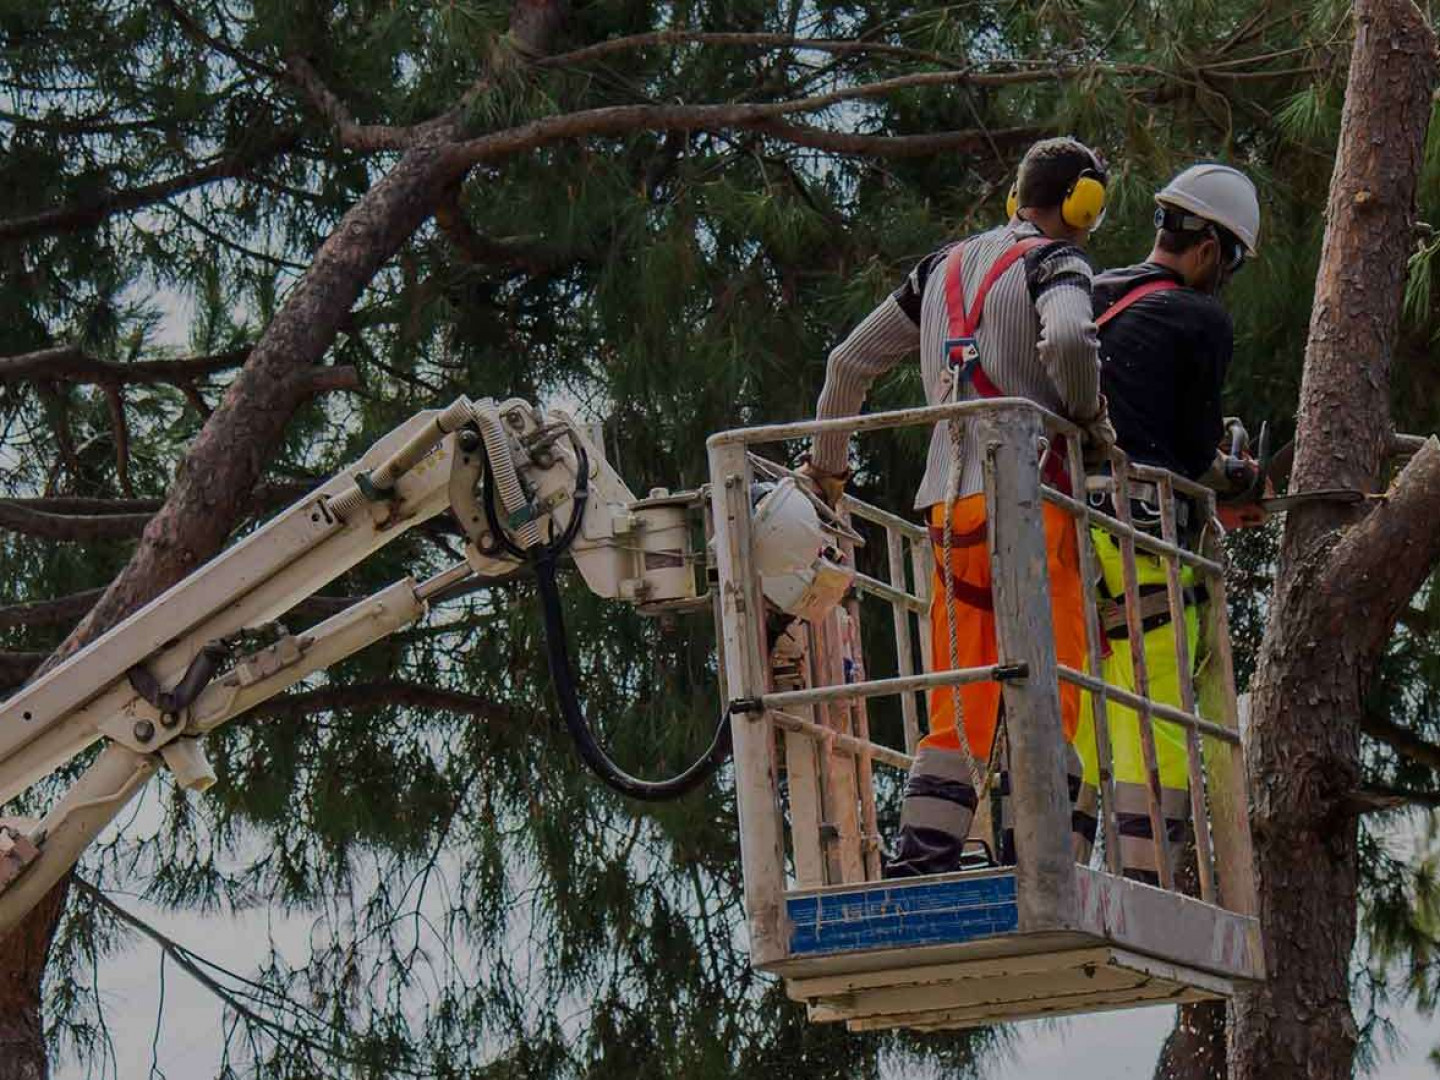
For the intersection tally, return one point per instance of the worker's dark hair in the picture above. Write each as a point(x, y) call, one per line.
point(1050, 167)
point(1179, 241)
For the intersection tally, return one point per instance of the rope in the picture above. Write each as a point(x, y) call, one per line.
point(978, 780)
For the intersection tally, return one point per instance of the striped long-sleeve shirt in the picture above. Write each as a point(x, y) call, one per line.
point(1036, 340)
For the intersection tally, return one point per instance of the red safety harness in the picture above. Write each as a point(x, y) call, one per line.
point(1137, 293)
point(961, 352)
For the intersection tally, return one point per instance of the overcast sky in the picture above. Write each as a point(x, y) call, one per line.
point(1109, 1046)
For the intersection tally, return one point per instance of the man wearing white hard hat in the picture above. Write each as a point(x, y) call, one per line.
point(1165, 345)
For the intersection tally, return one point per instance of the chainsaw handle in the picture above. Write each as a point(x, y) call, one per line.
point(1239, 437)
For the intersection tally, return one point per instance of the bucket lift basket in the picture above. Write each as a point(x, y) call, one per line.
point(1046, 936)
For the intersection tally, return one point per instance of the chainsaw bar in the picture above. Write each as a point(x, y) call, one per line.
point(1281, 503)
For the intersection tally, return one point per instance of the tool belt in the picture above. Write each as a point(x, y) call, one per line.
point(1154, 609)
point(1144, 504)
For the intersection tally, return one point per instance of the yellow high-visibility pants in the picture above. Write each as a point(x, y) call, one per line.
point(1163, 674)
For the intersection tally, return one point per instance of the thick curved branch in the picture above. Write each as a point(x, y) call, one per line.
point(88, 521)
point(70, 363)
point(86, 212)
point(1379, 798)
point(897, 146)
point(624, 119)
point(1402, 740)
point(482, 250)
point(1380, 563)
point(76, 528)
point(365, 138)
point(58, 612)
point(602, 49)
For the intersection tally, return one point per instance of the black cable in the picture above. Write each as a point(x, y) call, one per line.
point(542, 557)
point(562, 674)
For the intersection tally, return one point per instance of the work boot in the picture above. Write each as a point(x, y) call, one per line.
point(935, 819)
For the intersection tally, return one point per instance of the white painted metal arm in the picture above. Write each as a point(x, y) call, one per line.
point(404, 480)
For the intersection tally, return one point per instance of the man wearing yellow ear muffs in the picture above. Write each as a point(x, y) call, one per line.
point(1006, 311)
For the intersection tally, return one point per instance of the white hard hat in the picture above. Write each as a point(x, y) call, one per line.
point(1220, 195)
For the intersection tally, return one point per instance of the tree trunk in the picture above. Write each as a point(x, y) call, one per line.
point(25, 949)
point(1195, 1047)
point(1326, 630)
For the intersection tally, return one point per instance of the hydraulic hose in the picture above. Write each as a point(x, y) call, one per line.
point(562, 674)
point(502, 470)
point(542, 556)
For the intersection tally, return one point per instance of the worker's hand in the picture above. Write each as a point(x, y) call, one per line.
point(1241, 474)
point(1241, 515)
point(1236, 507)
point(1097, 437)
point(829, 486)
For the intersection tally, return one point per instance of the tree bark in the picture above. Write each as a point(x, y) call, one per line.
point(1195, 1047)
point(70, 363)
point(25, 949)
point(1335, 605)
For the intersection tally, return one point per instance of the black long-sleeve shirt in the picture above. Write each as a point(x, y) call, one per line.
point(1162, 366)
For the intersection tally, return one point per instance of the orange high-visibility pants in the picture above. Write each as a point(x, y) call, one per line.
point(975, 622)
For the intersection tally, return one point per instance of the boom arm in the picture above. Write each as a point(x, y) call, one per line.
point(508, 474)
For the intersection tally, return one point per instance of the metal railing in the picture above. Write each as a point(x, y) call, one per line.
point(812, 725)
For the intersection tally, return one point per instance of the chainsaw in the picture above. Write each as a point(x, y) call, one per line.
point(1253, 504)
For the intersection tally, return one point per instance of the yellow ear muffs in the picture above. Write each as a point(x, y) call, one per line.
point(1012, 201)
point(1084, 202)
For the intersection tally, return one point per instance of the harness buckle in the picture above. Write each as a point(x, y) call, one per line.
point(962, 354)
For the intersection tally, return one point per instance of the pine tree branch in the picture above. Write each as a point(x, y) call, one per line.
point(68, 610)
point(75, 528)
point(895, 146)
point(193, 395)
point(1401, 739)
point(602, 49)
point(1381, 561)
point(58, 612)
point(266, 496)
point(120, 430)
point(88, 521)
point(70, 363)
point(201, 36)
point(366, 138)
point(485, 250)
point(1380, 798)
point(80, 504)
point(391, 692)
point(86, 125)
point(197, 968)
point(626, 119)
point(89, 211)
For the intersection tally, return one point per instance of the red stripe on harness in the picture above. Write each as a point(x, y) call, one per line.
point(1135, 294)
point(965, 321)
